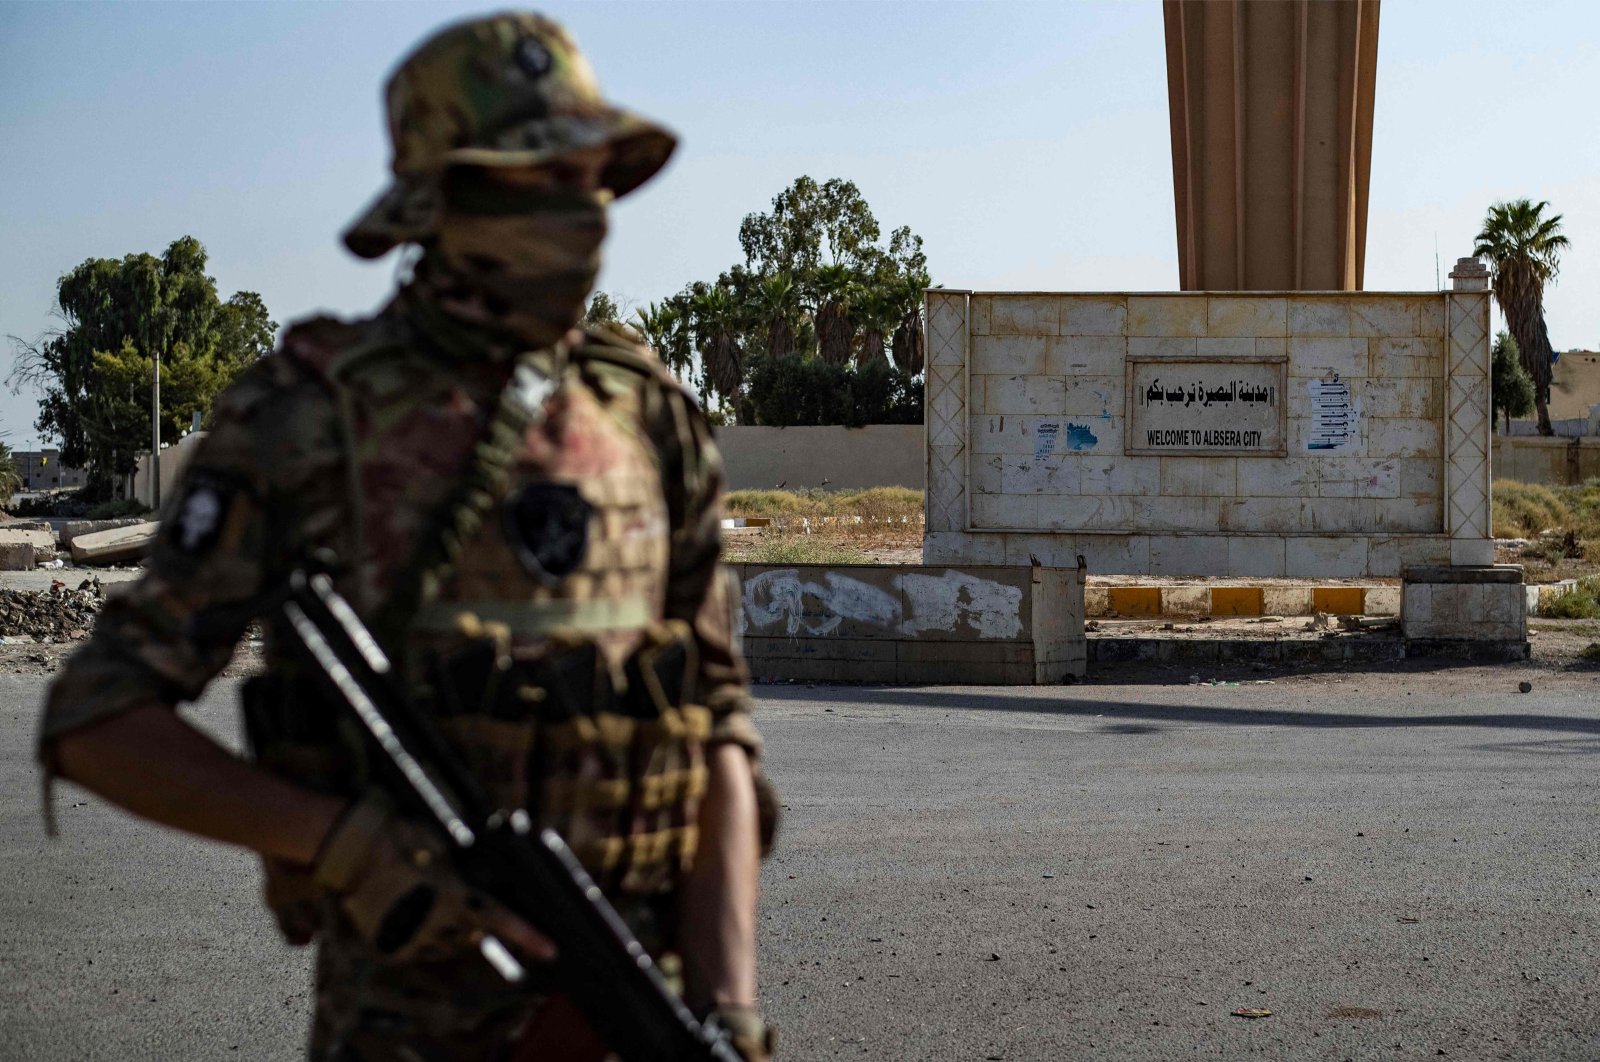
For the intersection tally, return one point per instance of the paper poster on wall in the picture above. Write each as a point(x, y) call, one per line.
point(1335, 420)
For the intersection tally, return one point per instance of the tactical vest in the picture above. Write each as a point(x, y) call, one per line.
point(516, 560)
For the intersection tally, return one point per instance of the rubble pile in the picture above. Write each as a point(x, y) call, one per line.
point(55, 615)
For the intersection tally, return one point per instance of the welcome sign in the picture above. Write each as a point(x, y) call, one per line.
point(1225, 406)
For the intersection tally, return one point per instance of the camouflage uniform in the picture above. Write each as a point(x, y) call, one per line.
point(520, 526)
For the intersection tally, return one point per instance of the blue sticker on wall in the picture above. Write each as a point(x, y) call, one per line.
point(1079, 437)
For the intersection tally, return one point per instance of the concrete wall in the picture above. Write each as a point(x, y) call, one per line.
point(1031, 420)
point(173, 461)
point(878, 455)
point(1569, 428)
point(893, 623)
point(1552, 461)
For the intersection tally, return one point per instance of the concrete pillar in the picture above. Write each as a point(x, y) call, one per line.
point(1271, 110)
point(1468, 469)
point(947, 412)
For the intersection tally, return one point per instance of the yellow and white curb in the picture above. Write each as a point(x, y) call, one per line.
point(1203, 600)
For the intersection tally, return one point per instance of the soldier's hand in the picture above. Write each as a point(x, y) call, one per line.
point(748, 1032)
point(395, 884)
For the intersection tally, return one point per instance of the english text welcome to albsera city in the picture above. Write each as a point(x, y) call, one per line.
point(1202, 437)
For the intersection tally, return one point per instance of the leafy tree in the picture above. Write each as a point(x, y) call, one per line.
point(1511, 389)
point(602, 309)
point(1523, 248)
point(10, 475)
point(119, 315)
point(785, 392)
point(245, 331)
point(818, 283)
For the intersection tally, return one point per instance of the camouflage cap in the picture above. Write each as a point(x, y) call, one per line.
point(507, 90)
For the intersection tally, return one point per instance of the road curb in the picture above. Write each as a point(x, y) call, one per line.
point(1337, 650)
point(1201, 599)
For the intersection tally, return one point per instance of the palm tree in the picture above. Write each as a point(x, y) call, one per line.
point(835, 287)
point(876, 311)
point(907, 347)
point(716, 330)
point(663, 326)
point(778, 304)
point(1523, 248)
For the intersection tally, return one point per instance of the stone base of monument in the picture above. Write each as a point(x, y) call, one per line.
point(977, 625)
point(1475, 613)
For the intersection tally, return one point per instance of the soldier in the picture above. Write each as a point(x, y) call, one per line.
point(527, 515)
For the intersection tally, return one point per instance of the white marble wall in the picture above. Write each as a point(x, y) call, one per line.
point(1001, 366)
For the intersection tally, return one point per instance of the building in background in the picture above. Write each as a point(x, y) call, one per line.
point(1574, 397)
point(42, 470)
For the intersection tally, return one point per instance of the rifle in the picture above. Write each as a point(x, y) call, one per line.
point(606, 971)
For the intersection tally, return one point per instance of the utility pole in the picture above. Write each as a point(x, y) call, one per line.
point(155, 437)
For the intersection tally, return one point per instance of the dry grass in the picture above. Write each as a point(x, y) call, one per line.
point(799, 549)
point(1526, 510)
point(876, 503)
point(1562, 524)
point(827, 527)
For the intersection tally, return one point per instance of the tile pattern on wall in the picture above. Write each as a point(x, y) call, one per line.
point(1467, 421)
point(947, 411)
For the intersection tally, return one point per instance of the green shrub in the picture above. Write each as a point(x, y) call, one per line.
point(1579, 602)
point(768, 503)
point(1584, 502)
point(1523, 510)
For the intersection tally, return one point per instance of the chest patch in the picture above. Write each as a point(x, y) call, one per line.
point(548, 527)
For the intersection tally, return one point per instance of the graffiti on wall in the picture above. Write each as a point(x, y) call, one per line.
point(781, 601)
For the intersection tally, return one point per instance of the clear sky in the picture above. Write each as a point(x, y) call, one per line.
point(1027, 143)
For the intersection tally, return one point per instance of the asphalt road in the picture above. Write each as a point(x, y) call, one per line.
point(1396, 866)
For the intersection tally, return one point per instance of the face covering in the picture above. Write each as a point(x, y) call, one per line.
point(515, 260)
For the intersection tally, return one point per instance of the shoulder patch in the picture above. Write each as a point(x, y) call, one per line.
point(197, 518)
